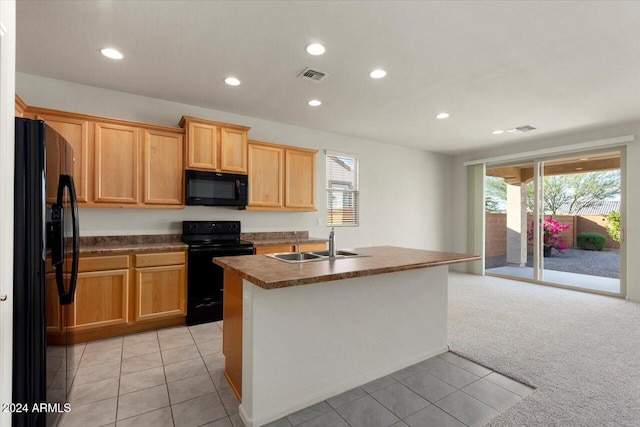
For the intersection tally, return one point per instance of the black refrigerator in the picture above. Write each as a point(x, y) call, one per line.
point(46, 244)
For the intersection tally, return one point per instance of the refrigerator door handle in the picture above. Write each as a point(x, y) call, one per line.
point(67, 295)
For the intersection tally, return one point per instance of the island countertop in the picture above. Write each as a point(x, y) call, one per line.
point(270, 273)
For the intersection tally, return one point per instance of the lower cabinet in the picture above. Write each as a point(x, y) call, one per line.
point(101, 300)
point(102, 293)
point(160, 288)
point(120, 294)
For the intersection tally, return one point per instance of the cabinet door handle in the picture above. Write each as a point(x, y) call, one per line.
point(3, 297)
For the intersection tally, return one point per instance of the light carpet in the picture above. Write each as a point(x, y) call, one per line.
point(580, 351)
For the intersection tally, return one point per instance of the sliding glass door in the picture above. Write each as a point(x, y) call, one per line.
point(559, 219)
point(580, 205)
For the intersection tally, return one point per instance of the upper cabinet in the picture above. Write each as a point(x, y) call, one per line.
point(116, 163)
point(120, 163)
point(76, 132)
point(281, 177)
point(163, 175)
point(300, 179)
point(215, 146)
point(266, 175)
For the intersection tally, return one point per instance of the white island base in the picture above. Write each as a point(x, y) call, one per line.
point(304, 344)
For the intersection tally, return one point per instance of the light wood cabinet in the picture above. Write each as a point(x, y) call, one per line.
point(120, 294)
point(202, 146)
point(102, 293)
point(100, 301)
point(163, 175)
point(76, 133)
point(233, 150)
point(116, 163)
point(266, 176)
point(300, 179)
point(160, 285)
point(215, 146)
point(232, 336)
point(281, 177)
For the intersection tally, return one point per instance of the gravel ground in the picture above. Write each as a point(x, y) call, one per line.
point(605, 263)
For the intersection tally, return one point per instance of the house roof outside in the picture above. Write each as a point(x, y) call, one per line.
point(602, 208)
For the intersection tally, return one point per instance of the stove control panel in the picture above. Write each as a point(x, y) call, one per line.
point(210, 227)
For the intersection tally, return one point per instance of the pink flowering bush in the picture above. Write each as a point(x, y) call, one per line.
point(551, 237)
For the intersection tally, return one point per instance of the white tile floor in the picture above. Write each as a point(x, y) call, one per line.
point(174, 377)
point(169, 377)
point(446, 390)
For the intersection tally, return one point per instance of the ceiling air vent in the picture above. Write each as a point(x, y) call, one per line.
point(521, 129)
point(312, 75)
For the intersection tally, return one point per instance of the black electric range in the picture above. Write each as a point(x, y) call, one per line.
point(205, 280)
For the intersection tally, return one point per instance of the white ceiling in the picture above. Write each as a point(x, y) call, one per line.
point(557, 66)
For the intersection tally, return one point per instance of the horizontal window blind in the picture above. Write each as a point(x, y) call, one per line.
point(343, 187)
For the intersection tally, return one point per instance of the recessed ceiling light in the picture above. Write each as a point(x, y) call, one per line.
point(377, 74)
point(315, 103)
point(315, 49)
point(497, 132)
point(111, 53)
point(232, 81)
point(442, 115)
point(578, 169)
point(584, 158)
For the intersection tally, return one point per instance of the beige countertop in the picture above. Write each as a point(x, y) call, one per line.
point(270, 273)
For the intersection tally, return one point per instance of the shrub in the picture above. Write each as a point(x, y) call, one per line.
point(551, 237)
point(613, 225)
point(591, 241)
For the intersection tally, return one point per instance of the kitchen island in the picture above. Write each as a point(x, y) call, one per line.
point(288, 346)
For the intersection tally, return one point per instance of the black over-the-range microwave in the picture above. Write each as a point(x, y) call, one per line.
point(215, 189)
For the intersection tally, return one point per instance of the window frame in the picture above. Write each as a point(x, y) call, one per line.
point(351, 194)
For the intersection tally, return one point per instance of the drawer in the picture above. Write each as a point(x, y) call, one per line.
point(164, 258)
point(101, 263)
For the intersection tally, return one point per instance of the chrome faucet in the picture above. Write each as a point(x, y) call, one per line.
point(332, 244)
point(299, 256)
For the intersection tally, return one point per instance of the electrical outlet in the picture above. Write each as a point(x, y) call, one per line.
point(318, 221)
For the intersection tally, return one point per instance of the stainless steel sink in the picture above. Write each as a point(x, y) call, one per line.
point(339, 254)
point(294, 257)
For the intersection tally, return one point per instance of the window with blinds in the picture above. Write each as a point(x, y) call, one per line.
point(343, 185)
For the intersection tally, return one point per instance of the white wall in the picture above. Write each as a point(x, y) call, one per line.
point(7, 85)
point(405, 192)
point(632, 195)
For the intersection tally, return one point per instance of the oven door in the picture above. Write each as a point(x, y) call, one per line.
point(205, 283)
